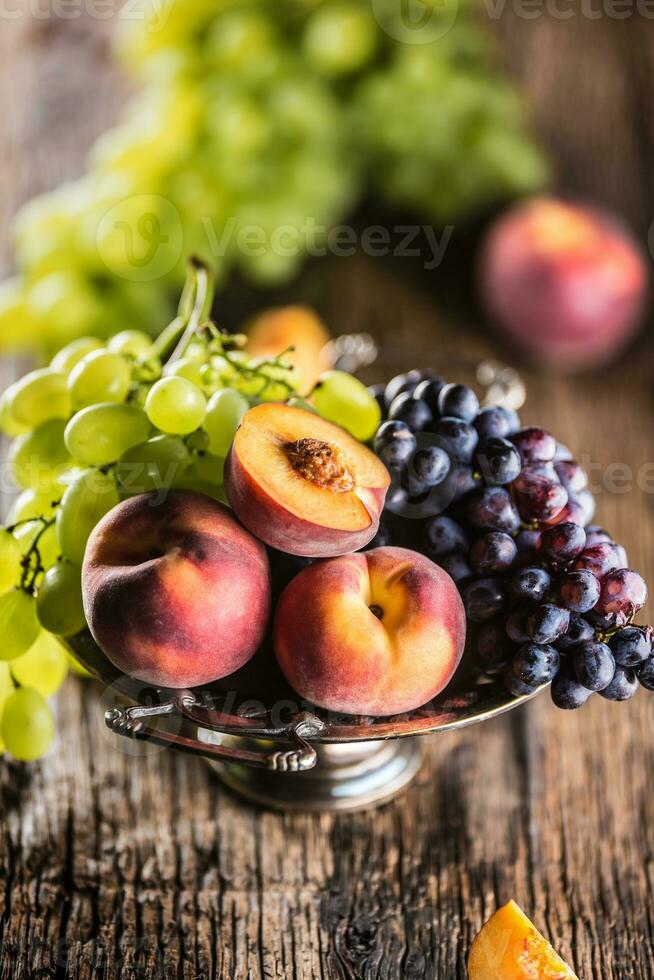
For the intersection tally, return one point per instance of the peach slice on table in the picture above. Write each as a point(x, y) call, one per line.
point(302, 484)
point(509, 947)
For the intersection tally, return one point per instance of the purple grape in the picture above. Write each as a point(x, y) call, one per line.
point(547, 622)
point(573, 476)
point(494, 422)
point(428, 468)
point(623, 686)
point(429, 390)
point(597, 535)
point(484, 599)
point(399, 449)
point(386, 433)
point(517, 687)
point(568, 693)
point(593, 665)
point(516, 626)
point(458, 400)
point(494, 649)
point(499, 461)
point(416, 413)
point(631, 646)
point(493, 510)
point(562, 543)
point(528, 541)
point(579, 591)
point(581, 507)
point(600, 559)
point(456, 565)
point(494, 552)
point(562, 452)
point(442, 535)
point(377, 392)
point(529, 585)
point(536, 664)
point(465, 481)
point(538, 497)
point(400, 384)
point(578, 631)
point(535, 445)
point(622, 593)
point(461, 437)
point(646, 674)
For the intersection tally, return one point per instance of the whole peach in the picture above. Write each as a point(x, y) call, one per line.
point(565, 283)
point(375, 633)
point(176, 591)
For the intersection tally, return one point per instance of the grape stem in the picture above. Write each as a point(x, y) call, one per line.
point(30, 574)
point(200, 305)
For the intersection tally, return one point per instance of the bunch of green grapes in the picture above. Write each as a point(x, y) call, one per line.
point(257, 128)
point(105, 421)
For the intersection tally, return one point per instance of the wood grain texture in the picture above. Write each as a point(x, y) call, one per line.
point(120, 861)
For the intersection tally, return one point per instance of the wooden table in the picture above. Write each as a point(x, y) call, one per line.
point(115, 866)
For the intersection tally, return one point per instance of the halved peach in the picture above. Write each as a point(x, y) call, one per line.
point(509, 947)
point(303, 485)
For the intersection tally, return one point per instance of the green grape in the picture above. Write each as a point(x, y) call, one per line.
point(340, 38)
point(208, 468)
point(48, 545)
point(16, 323)
point(343, 399)
point(130, 343)
point(70, 355)
point(27, 726)
point(10, 556)
point(152, 465)
point(8, 424)
point(185, 367)
point(59, 601)
point(225, 410)
point(44, 667)
point(99, 377)
point(19, 626)
point(39, 459)
point(38, 397)
point(90, 496)
point(100, 434)
point(6, 683)
point(176, 406)
point(35, 503)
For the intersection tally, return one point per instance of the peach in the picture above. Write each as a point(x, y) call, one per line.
point(302, 484)
point(509, 947)
point(176, 592)
point(378, 633)
point(275, 330)
point(566, 284)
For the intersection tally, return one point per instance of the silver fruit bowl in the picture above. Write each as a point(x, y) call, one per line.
point(264, 742)
point(277, 751)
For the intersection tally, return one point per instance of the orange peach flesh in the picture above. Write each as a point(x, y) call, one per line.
point(376, 633)
point(293, 503)
point(509, 947)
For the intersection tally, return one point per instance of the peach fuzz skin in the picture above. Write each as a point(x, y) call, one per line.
point(176, 593)
point(341, 654)
point(286, 509)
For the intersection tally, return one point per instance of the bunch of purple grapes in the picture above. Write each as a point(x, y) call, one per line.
point(507, 512)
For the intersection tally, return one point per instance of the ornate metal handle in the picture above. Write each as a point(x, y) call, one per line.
point(130, 723)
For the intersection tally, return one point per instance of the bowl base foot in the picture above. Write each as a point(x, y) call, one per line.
point(348, 776)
